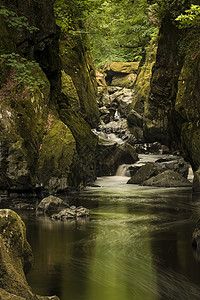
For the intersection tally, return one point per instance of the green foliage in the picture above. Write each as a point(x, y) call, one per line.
point(191, 18)
point(13, 20)
point(168, 8)
point(119, 30)
point(22, 70)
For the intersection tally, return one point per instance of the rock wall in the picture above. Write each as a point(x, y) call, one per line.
point(45, 134)
point(15, 258)
point(172, 110)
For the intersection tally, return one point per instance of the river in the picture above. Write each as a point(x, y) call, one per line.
point(136, 245)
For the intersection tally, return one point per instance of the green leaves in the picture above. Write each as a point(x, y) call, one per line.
point(13, 20)
point(23, 70)
point(191, 18)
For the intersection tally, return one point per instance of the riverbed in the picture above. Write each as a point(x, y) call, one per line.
point(136, 245)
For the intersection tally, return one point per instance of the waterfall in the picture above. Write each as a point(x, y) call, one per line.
point(123, 170)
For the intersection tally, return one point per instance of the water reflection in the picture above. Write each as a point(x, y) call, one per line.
point(136, 245)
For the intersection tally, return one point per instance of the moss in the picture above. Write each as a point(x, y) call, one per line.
point(56, 156)
point(142, 85)
point(15, 252)
point(190, 137)
point(77, 63)
point(15, 258)
point(187, 100)
point(24, 118)
point(69, 91)
point(83, 170)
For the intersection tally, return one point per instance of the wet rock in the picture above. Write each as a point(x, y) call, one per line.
point(71, 213)
point(51, 204)
point(134, 119)
point(168, 178)
point(176, 164)
point(196, 181)
point(16, 258)
point(155, 148)
point(151, 169)
point(145, 172)
point(111, 156)
point(196, 236)
point(100, 79)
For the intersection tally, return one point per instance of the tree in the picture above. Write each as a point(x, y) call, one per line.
point(119, 30)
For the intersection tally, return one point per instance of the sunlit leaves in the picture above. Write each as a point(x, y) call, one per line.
point(190, 18)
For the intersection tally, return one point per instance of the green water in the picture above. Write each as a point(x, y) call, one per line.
point(135, 246)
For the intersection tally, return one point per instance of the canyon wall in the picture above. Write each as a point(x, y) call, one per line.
point(48, 107)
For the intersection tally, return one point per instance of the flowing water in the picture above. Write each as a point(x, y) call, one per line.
point(136, 245)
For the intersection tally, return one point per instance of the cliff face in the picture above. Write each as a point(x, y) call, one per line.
point(172, 110)
point(46, 113)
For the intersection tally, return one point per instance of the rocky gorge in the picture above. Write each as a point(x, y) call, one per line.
point(68, 124)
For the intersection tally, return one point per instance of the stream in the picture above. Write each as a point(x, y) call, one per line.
point(136, 245)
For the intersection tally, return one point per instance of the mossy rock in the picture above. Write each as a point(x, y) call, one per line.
point(187, 99)
point(56, 156)
point(15, 258)
point(77, 63)
point(51, 205)
point(23, 116)
point(142, 84)
point(190, 137)
point(121, 67)
point(69, 91)
point(83, 169)
point(124, 81)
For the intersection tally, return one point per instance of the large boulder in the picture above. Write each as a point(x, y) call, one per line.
point(111, 155)
point(168, 178)
point(143, 173)
point(51, 204)
point(122, 74)
point(16, 258)
point(149, 170)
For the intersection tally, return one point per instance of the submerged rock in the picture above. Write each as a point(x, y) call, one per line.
point(71, 213)
point(16, 258)
point(51, 204)
point(168, 178)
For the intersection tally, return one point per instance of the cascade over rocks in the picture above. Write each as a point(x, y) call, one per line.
point(111, 155)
